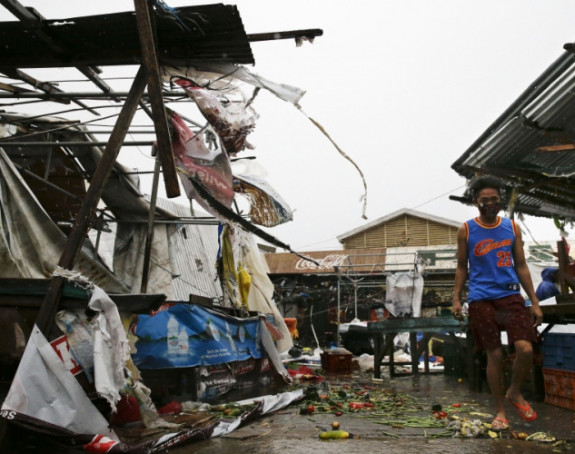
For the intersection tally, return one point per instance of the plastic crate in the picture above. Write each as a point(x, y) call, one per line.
point(559, 351)
point(336, 362)
point(559, 388)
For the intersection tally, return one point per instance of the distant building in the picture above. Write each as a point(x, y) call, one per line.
point(402, 228)
point(403, 241)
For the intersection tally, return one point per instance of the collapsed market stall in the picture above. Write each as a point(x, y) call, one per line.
point(61, 179)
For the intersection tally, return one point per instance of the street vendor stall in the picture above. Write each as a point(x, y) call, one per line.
point(384, 332)
point(58, 182)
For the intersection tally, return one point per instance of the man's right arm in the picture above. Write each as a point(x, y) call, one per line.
point(461, 271)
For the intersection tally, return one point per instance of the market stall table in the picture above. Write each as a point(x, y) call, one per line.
point(383, 333)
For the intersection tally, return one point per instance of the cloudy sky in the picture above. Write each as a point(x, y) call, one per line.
point(403, 87)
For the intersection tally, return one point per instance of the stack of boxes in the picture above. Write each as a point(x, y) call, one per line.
point(559, 369)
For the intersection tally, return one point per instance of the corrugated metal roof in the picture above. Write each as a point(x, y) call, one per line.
point(193, 252)
point(394, 215)
point(389, 260)
point(286, 263)
point(531, 146)
point(201, 33)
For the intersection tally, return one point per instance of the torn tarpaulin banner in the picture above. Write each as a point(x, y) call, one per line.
point(45, 397)
point(233, 122)
point(185, 335)
point(195, 160)
point(44, 391)
point(225, 76)
point(267, 208)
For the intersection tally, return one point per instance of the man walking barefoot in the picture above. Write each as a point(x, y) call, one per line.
point(490, 253)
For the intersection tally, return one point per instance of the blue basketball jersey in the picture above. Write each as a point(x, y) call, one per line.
point(490, 255)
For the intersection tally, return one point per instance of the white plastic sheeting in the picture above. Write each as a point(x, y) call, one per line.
point(129, 258)
point(404, 293)
point(43, 388)
point(30, 243)
point(260, 297)
point(111, 348)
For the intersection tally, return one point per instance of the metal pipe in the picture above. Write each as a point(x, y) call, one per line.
point(294, 34)
point(135, 143)
point(184, 221)
point(338, 304)
point(80, 95)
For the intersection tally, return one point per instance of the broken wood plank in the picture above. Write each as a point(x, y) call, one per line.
point(214, 33)
point(49, 308)
point(150, 62)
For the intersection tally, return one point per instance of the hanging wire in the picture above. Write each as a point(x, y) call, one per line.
point(162, 9)
point(439, 196)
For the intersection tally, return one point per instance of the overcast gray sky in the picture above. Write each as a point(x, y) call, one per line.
point(404, 88)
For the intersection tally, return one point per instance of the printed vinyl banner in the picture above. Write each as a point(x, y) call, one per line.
point(186, 335)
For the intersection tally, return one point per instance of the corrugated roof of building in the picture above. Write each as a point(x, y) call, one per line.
point(395, 214)
point(365, 260)
point(531, 146)
point(200, 33)
point(437, 258)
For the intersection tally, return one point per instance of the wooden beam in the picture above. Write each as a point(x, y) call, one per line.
point(298, 35)
point(215, 34)
point(14, 89)
point(92, 73)
point(46, 87)
point(45, 320)
point(565, 281)
point(150, 62)
point(34, 21)
point(150, 230)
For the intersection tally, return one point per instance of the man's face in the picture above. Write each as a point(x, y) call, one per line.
point(489, 202)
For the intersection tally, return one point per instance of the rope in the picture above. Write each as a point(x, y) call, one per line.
point(74, 276)
point(325, 133)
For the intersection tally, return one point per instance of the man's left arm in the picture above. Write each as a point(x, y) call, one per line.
point(524, 276)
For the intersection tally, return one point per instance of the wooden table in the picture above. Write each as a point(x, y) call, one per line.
point(558, 314)
point(383, 333)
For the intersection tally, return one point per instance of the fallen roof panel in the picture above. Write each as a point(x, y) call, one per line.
point(198, 33)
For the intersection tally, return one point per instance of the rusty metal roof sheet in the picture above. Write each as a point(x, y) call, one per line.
point(203, 33)
point(531, 146)
point(362, 260)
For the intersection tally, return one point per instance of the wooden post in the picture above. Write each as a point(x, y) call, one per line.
point(150, 62)
point(563, 263)
point(150, 231)
point(45, 319)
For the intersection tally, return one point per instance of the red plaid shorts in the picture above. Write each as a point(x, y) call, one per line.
point(488, 318)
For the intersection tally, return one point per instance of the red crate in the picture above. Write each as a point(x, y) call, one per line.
point(336, 362)
point(559, 388)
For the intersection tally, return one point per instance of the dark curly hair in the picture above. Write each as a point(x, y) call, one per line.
point(486, 181)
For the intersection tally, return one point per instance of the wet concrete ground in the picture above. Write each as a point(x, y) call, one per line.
point(288, 430)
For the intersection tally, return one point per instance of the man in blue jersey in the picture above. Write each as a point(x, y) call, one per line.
point(490, 253)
